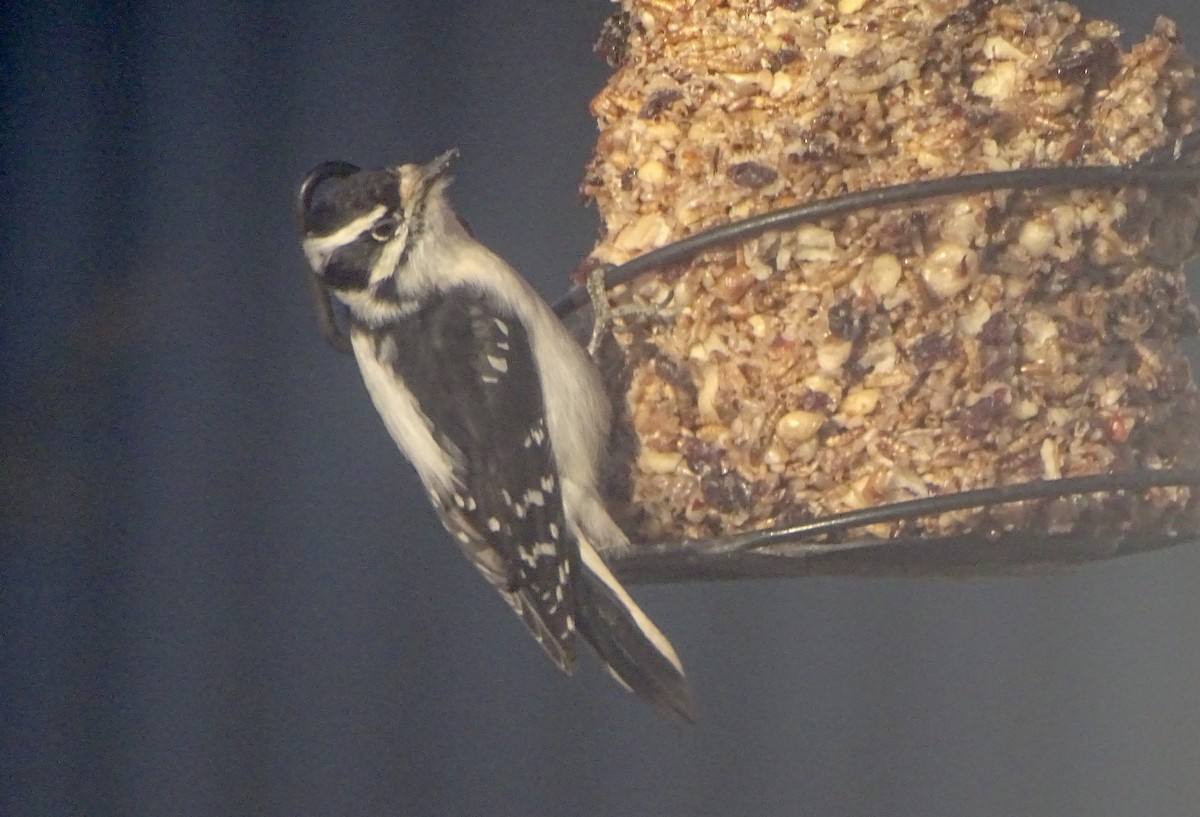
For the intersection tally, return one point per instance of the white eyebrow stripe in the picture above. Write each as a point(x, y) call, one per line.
point(323, 246)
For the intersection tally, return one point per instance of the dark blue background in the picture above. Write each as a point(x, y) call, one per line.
point(223, 592)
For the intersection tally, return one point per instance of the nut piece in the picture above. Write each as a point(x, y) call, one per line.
point(948, 269)
point(860, 402)
point(799, 426)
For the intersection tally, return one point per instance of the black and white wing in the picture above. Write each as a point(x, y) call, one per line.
point(469, 367)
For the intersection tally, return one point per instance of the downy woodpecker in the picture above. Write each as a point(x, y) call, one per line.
point(499, 410)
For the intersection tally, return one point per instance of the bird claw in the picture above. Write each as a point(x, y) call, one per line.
point(605, 315)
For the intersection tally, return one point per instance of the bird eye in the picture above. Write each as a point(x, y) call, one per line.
point(384, 229)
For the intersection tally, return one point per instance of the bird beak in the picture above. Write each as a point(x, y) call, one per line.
point(437, 169)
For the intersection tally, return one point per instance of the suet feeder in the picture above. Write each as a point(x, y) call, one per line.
point(918, 270)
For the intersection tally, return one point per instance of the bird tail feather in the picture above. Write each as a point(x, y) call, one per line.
point(635, 651)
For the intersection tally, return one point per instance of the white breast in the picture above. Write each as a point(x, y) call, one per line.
point(403, 418)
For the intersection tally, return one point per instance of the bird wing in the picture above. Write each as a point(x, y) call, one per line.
point(469, 367)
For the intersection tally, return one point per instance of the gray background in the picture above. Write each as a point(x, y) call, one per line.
point(223, 592)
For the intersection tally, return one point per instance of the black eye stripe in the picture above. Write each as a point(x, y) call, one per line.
point(350, 266)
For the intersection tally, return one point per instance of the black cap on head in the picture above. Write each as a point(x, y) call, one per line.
point(316, 177)
point(335, 193)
